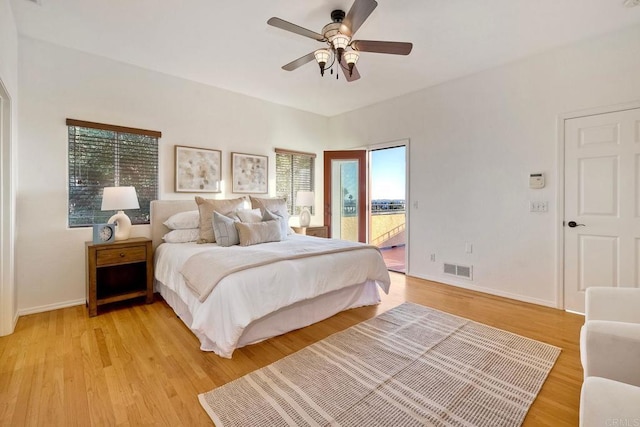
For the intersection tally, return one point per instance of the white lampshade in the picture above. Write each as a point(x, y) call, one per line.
point(305, 198)
point(340, 41)
point(322, 56)
point(119, 199)
point(351, 56)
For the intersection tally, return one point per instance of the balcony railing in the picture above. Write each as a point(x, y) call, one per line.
point(378, 207)
point(383, 206)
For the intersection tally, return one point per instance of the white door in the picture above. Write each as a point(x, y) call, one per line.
point(602, 203)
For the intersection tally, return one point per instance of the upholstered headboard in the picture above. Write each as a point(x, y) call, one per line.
point(161, 210)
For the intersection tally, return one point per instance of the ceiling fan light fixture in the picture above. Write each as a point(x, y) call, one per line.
point(322, 58)
point(340, 43)
point(338, 36)
point(351, 57)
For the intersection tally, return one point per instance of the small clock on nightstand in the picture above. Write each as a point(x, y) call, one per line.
point(104, 233)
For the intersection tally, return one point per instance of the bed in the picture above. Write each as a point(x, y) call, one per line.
point(268, 299)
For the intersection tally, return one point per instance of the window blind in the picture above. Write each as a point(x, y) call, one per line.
point(294, 172)
point(107, 156)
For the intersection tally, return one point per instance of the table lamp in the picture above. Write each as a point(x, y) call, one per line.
point(305, 199)
point(119, 199)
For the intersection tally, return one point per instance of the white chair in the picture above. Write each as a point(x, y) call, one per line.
point(610, 337)
point(605, 402)
point(610, 355)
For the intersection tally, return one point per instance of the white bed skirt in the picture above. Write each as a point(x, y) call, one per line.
point(295, 316)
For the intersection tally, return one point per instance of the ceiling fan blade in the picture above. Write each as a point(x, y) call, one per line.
point(376, 46)
point(359, 12)
point(355, 75)
point(299, 62)
point(288, 26)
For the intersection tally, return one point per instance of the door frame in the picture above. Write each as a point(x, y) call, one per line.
point(560, 211)
point(8, 292)
point(363, 190)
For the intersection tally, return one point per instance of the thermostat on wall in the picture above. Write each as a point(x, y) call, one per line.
point(536, 180)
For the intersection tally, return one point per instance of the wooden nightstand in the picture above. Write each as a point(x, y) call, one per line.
point(314, 230)
point(119, 271)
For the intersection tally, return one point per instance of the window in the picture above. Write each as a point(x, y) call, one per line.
point(294, 172)
point(106, 156)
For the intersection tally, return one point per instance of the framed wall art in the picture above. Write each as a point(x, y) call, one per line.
point(249, 173)
point(198, 170)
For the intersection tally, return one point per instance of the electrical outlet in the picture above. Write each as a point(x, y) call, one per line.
point(433, 257)
point(538, 206)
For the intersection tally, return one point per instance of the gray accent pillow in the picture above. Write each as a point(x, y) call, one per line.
point(282, 222)
point(225, 230)
point(252, 233)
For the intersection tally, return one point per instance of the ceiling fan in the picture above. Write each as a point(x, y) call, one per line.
point(342, 50)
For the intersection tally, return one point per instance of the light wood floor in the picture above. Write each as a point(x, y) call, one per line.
point(139, 364)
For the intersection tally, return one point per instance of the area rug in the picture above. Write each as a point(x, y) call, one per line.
point(410, 366)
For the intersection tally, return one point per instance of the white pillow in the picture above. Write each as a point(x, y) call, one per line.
point(183, 220)
point(252, 233)
point(249, 215)
point(182, 236)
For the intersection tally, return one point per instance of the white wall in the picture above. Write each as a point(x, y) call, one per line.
point(474, 142)
point(9, 137)
point(58, 83)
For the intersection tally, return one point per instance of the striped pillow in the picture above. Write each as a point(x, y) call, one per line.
point(225, 230)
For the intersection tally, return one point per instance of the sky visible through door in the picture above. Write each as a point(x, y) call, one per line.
point(388, 173)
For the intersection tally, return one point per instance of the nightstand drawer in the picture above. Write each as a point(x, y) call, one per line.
point(317, 231)
point(121, 255)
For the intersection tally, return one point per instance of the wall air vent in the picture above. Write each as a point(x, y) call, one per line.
point(464, 271)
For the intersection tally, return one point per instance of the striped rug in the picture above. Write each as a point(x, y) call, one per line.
point(410, 366)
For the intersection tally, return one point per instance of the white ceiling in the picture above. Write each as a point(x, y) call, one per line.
point(228, 44)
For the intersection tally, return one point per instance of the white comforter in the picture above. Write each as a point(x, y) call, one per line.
point(247, 295)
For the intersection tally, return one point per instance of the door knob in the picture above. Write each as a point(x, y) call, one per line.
point(573, 224)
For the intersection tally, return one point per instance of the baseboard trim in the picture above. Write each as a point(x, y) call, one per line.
point(490, 291)
point(50, 307)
